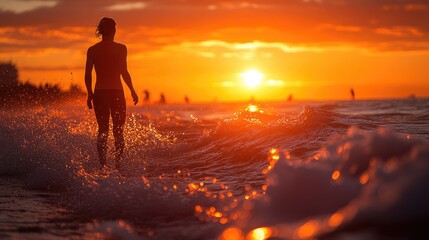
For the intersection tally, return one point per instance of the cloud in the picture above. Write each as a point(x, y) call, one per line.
point(50, 68)
point(403, 47)
point(288, 22)
point(416, 7)
point(21, 6)
point(341, 28)
point(127, 6)
point(400, 31)
point(408, 7)
point(233, 5)
point(211, 49)
point(275, 83)
point(253, 46)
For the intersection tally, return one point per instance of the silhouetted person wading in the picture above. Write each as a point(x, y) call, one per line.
point(110, 61)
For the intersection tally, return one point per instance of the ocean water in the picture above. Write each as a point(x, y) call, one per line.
point(280, 170)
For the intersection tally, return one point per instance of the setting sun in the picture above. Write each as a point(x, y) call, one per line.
point(252, 78)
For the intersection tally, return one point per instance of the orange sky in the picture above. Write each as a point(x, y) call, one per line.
point(313, 49)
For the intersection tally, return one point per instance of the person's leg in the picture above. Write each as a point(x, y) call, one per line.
point(102, 114)
point(118, 111)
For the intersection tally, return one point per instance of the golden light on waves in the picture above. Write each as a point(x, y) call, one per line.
point(260, 233)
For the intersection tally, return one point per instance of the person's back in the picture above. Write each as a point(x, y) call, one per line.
point(109, 60)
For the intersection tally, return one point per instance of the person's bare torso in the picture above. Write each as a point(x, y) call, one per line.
point(109, 60)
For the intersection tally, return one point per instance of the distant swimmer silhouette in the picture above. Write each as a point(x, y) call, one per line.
point(252, 99)
point(146, 98)
point(352, 92)
point(110, 62)
point(162, 99)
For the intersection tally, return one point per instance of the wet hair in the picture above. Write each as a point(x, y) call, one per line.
point(105, 27)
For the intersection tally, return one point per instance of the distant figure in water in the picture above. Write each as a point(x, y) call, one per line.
point(146, 96)
point(162, 99)
point(252, 99)
point(110, 62)
point(290, 97)
point(352, 92)
point(186, 99)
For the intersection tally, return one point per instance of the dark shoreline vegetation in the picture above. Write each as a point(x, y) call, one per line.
point(14, 93)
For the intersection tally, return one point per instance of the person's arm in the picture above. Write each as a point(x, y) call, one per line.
point(88, 77)
point(127, 77)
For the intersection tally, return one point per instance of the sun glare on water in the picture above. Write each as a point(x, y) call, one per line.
point(252, 78)
point(252, 108)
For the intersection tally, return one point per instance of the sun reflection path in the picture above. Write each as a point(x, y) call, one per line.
point(252, 108)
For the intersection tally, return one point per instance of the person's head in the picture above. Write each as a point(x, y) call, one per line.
point(106, 28)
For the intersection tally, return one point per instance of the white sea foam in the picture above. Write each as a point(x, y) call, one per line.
point(363, 180)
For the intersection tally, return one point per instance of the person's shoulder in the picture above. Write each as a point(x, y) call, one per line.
point(121, 46)
point(93, 47)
